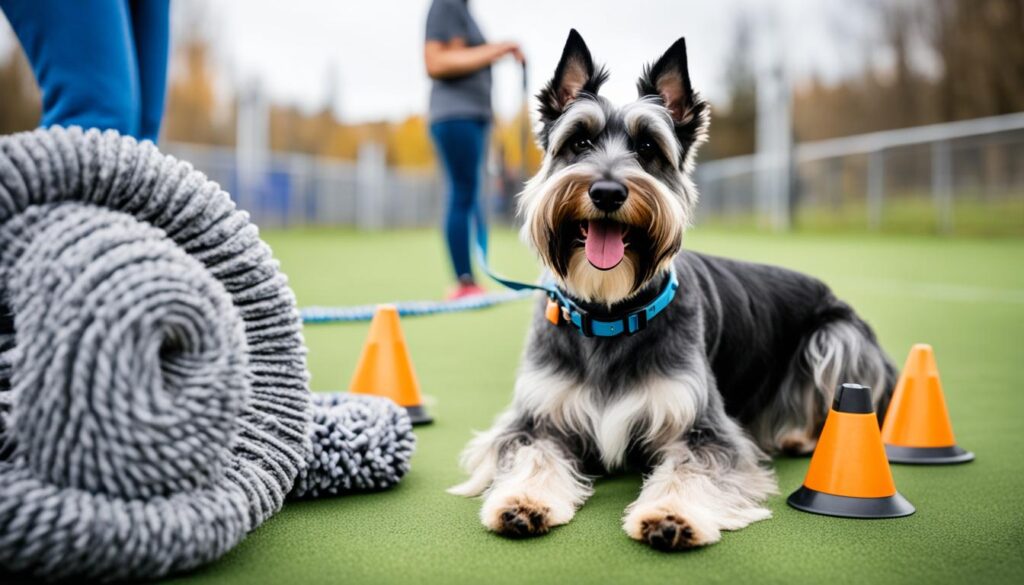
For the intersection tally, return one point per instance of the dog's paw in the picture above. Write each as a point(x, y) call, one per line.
point(517, 517)
point(668, 533)
point(523, 521)
point(667, 530)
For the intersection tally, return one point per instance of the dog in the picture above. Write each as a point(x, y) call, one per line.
point(741, 362)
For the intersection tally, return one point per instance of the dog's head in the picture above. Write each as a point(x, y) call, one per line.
point(607, 210)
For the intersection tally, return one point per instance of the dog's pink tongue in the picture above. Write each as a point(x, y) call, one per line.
point(604, 245)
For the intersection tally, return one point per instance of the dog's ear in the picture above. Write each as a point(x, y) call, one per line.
point(669, 79)
point(575, 74)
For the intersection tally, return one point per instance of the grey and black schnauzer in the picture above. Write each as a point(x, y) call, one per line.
point(742, 363)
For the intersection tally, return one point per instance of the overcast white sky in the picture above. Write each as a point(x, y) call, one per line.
point(374, 48)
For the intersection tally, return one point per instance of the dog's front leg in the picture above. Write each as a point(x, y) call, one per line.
point(523, 466)
point(538, 486)
point(709, 482)
point(530, 482)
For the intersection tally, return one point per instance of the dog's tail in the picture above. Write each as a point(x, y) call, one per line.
point(840, 347)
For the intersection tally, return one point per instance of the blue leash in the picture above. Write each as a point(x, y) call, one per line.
point(561, 309)
point(356, 313)
point(517, 291)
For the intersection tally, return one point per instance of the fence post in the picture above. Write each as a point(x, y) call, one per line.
point(876, 188)
point(942, 185)
point(299, 171)
point(371, 183)
point(252, 139)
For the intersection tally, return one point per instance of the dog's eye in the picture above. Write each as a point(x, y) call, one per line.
point(581, 144)
point(646, 149)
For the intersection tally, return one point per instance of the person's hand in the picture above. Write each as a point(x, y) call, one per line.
point(513, 48)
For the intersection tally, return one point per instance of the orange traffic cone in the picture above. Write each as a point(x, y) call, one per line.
point(917, 427)
point(385, 368)
point(849, 475)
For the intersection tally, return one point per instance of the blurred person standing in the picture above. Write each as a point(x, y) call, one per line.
point(458, 60)
point(99, 63)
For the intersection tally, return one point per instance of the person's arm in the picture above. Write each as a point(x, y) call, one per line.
point(455, 59)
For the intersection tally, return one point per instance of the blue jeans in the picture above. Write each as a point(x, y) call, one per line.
point(99, 63)
point(462, 145)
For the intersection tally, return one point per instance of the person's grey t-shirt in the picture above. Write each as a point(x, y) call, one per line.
point(468, 96)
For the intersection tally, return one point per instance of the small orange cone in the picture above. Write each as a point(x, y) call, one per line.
point(849, 475)
point(917, 427)
point(385, 368)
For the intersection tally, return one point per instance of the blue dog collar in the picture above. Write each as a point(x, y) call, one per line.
point(562, 309)
point(629, 324)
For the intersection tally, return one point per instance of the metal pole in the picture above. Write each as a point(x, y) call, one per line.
point(372, 195)
point(876, 189)
point(252, 142)
point(942, 185)
point(524, 128)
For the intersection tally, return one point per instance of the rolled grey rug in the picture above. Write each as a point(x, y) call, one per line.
point(154, 405)
point(360, 443)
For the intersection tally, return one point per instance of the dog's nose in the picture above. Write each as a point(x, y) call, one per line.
point(608, 196)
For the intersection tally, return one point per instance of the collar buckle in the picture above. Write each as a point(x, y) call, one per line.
point(635, 322)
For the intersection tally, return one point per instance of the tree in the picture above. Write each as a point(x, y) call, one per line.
point(980, 45)
point(194, 111)
point(979, 56)
point(734, 122)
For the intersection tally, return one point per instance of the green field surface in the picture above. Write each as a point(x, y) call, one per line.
point(914, 213)
point(903, 213)
point(964, 296)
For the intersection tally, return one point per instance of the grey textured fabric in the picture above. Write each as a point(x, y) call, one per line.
point(154, 405)
point(154, 396)
point(359, 443)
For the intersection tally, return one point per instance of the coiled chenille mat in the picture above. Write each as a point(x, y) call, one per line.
point(154, 403)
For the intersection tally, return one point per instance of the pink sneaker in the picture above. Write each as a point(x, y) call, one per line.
point(465, 290)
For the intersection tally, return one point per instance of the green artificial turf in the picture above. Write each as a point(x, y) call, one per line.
point(966, 297)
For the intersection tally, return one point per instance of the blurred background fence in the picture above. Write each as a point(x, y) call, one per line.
point(962, 177)
point(831, 115)
point(295, 189)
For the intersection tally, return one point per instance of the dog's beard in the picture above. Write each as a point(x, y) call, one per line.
point(557, 210)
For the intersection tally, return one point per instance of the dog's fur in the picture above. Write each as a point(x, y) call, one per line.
point(743, 362)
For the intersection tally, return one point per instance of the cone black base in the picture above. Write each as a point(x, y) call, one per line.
point(809, 500)
point(927, 455)
point(419, 415)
